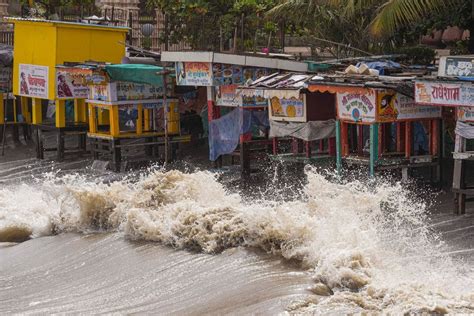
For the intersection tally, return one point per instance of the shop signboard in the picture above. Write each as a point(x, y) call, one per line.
point(444, 93)
point(356, 106)
point(125, 91)
point(71, 83)
point(456, 66)
point(465, 113)
point(287, 106)
point(194, 73)
point(33, 80)
point(407, 109)
point(253, 98)
point(228, 95)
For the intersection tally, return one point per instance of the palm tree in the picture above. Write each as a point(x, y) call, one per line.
point(387, 15)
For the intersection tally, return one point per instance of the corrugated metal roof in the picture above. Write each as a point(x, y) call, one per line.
point(17, 19)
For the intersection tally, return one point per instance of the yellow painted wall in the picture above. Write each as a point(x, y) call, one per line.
point(79, 44)
point(50, 44)
point(35, 44)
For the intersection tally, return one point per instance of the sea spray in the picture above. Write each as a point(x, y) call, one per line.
point(367, 243)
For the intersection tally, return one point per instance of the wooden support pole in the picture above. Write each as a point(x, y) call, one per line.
point(360, 139)
point(332, 146)
point(408, 139)
point(92, 119)
point(338, 147)
point(80, 111)
point(60, 113)
point(275, 145)
point(2, 109)
point(345, 139)
point(374, 143)
point(400, 137)
point(147, 120)
point(140, 119)
point(114, 121)
point(24, 110)
point(37, 109)
point(308, 149)
point(434, 137)
point(15, 112)
point(381, 142)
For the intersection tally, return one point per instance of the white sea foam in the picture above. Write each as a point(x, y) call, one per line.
point(368, 245)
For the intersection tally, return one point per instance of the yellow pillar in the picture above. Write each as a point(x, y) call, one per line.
point(80, 111)
point(147, 120)
point(103, 117)
point(15, 114)
point(2, 109)
point(140, 119)
point(37, 111)
point(60, 113)
point(114, 121)
point(24, 110)
point(92, 121)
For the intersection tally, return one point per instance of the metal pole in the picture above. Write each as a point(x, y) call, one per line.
point(165, 111)
point(4, 123)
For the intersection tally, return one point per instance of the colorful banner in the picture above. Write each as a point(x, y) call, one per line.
point(407, 109)
point(194, 74)
point(228, 96)
point(465, 113)
point(459, 67)
point(442, 93)
point(72, 83)
point(386, 106)
point(125, 91)
point(33, 80)
point(253, 97)
point(287, 108)
point(357, 107)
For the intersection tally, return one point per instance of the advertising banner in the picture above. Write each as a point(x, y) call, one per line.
point(465, 113)
point(357, 107)
point(407, 109)
point(33, 81)
point(194, 74)
point(442, 93)
point(287, 108)
point(71, 83)
point(228, 96)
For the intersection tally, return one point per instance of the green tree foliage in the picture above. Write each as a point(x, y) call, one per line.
point(211, 24)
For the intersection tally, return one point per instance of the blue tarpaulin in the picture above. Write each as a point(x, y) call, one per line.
point(224, 133)
point(380, 65)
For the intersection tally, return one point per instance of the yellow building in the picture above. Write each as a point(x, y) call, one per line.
point(40, 46)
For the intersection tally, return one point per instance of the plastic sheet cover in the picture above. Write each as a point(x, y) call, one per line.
point(309, 131)
point(224, 133)
point(465, 130)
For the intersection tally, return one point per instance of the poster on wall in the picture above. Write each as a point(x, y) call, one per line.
point(386, 106)
point(442, 93)
point(72, 83)
point(33, 81)
point(407, 109)
point(253, 98)
point(287, 108)
point(194, 74)
point(128, 91)
point(228, 96)
point(357, 107)
point(465, 113)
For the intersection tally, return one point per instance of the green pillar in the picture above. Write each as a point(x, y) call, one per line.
point(338, 147)
point(374, 147)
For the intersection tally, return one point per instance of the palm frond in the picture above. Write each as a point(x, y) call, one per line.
point(395, 13)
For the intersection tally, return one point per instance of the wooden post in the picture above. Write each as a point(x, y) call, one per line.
point(381, 142)
point(400, 137)
point(36, 108)
point(434, 137)
point(344, 139)
point(80, 111)
point(408, 139)
point(2, 109)
point(140, 119)
point(92, 119)
point(275, 145)
point(114, 121)
point(146, 123)
point(60, 113)
point(338, 147)
point(24, 109)
point(374, 143)
point(308, 149)
point(360, 139)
